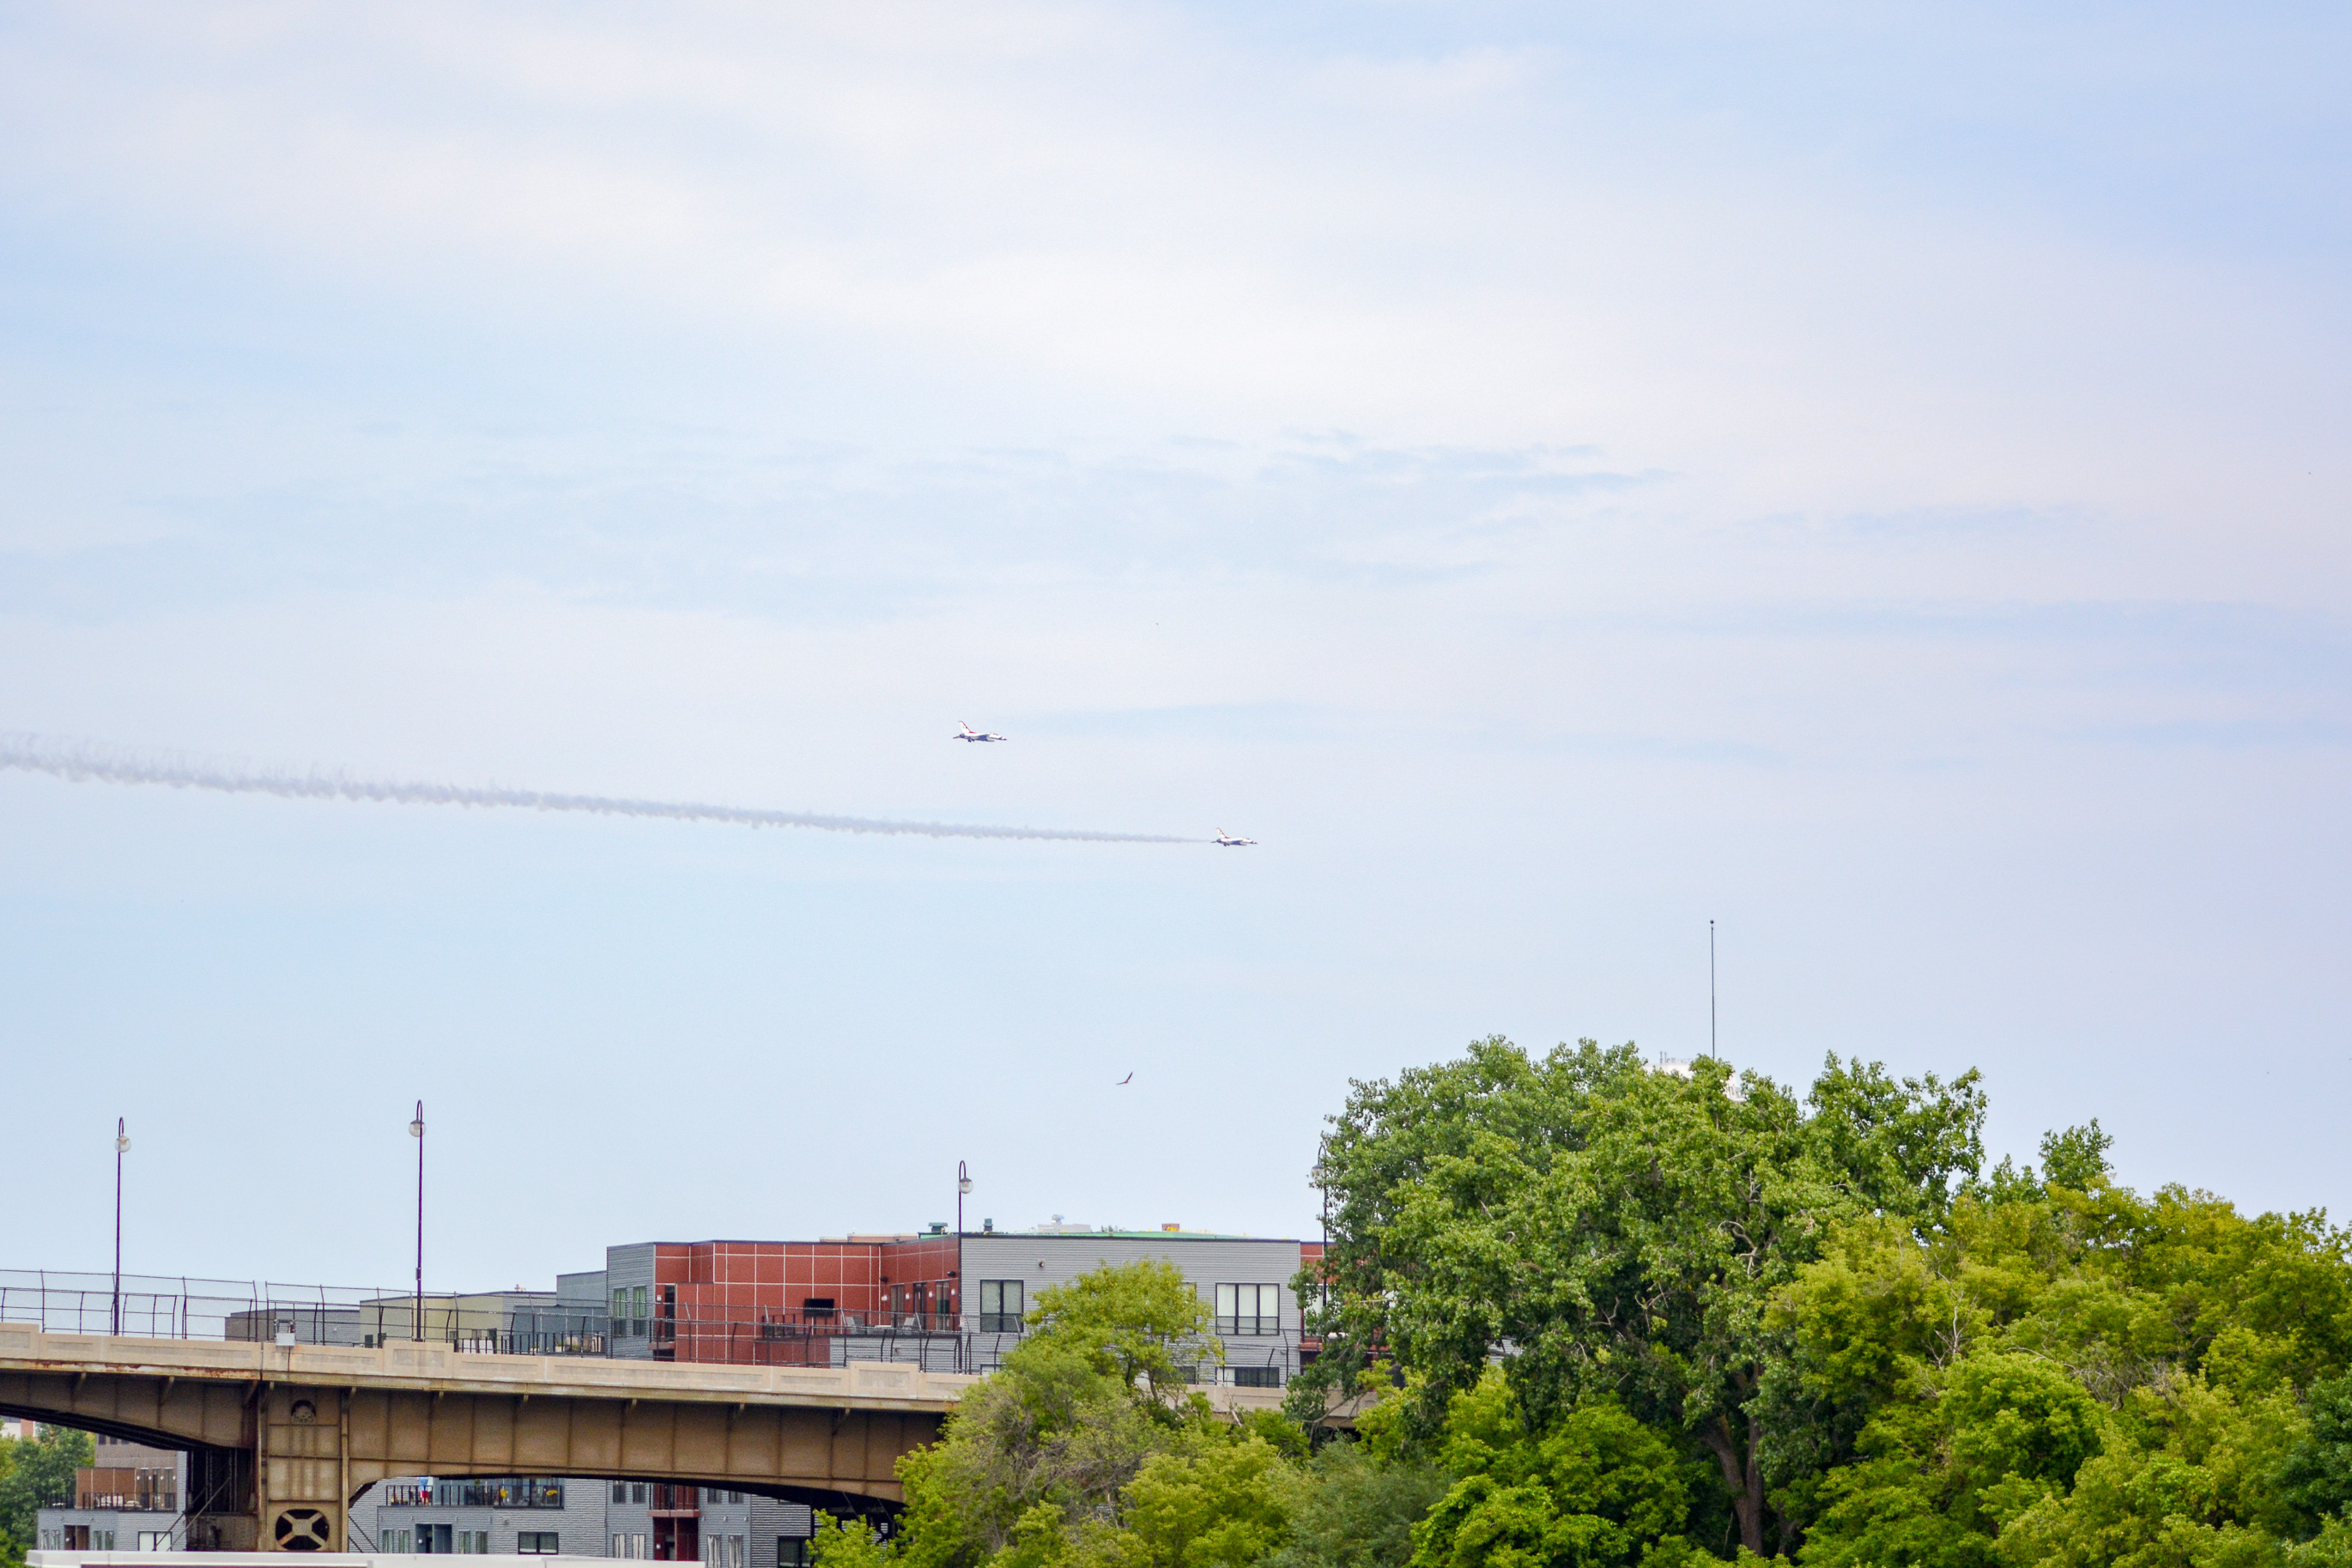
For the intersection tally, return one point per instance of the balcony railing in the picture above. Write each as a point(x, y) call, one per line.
point(525, 1492)
point(165, 1499)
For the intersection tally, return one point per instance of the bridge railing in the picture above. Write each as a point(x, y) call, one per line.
point(187, 1308)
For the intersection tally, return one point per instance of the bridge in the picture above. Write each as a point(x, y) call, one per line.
point(283, 1436)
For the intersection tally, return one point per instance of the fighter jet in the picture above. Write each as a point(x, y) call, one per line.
point(1231, 842)
point(968, 733)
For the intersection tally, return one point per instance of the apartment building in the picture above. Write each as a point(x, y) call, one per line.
point(954, 1302)
point(545, 1515)
point(128, 1499)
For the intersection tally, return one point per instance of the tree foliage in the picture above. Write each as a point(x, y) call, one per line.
point(1622, 1229)
point(36, 1473)
point(1593, 1313)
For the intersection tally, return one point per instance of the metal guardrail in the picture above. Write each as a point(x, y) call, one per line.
point(160, 1307)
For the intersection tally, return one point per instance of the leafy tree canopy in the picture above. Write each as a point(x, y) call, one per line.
point(1621, 1228)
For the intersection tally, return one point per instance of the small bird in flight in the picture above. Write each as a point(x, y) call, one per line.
point(1124, 1081)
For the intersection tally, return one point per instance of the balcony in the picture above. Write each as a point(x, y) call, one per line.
point(144, 1490)
point(667, 1501)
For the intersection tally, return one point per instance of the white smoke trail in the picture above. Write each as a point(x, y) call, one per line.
point(84, 761)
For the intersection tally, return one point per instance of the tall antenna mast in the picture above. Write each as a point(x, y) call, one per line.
point(1710, 988)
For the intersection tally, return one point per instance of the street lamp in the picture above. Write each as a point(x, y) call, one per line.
point(963, 1189)
point(121, 1147)
point(416, 1130)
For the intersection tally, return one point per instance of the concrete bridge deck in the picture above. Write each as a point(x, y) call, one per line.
point(437, 1367)
point(283, 1437)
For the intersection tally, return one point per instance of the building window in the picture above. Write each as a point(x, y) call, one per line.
point(620, 1494)
point(1249, 1309)
point(154, 1541)
point(619, 1541)
point(535, 1542)
point(636, 1491)
point(637, 1311)
point(399, 1540)
point(638, 1544)
point(1001, 1306)
point(1257, 1378)
point(792, 1552)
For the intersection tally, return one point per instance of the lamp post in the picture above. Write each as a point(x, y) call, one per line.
point(121, 1147)
point(963, 1189)
point(416, 1130)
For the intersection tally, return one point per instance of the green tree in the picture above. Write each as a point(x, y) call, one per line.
point(1992, 1434)
point(1140, 1324)
point(1356, 1508)
point(2316, 1477)
point(1598, 1490)
point(1031, 1454)
point(2076, 1158)
point(1089, 1427)
point(1621, 1228)
point(2156, 1310)
point(1217, 1504)
point(2187, 1482)
point(850, 1543)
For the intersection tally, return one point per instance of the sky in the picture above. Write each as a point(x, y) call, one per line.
point(1871, 477)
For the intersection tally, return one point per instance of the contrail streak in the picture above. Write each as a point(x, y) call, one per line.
point(84, 762)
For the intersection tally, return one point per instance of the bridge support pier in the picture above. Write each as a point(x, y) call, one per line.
point(289, 1491)
point(302, 1468)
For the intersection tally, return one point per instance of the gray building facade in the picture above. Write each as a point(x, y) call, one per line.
point(1248, 1284)
point(569, 1517)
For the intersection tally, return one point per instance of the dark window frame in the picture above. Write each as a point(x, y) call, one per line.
point(1004, 1304)
point(1229, 1299)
